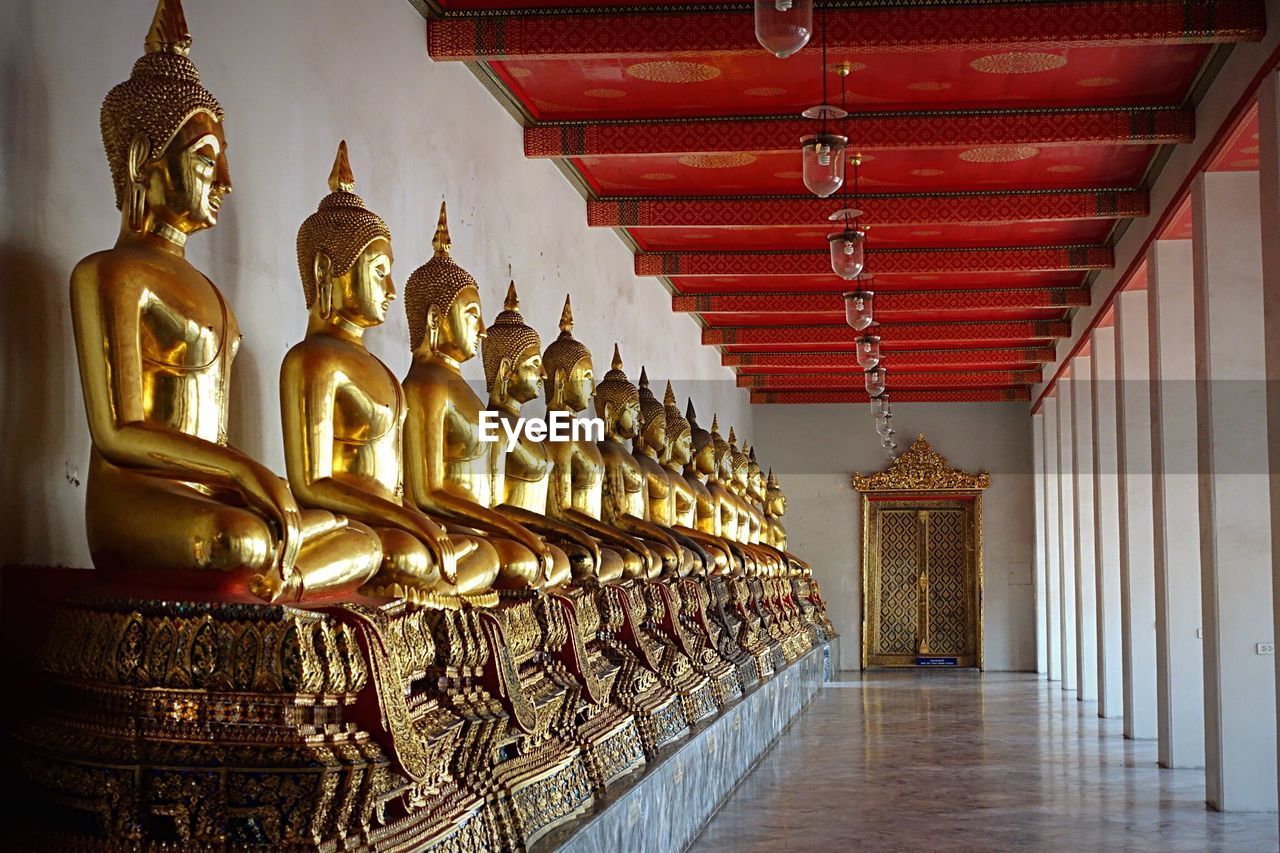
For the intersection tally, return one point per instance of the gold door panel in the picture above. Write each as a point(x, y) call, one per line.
point(921, 562)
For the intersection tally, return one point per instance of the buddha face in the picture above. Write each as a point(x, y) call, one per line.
point(778, 504)
point(681, 449)
point(524, 382)
point(624, 419)
point(580, 384)
point(705, 460)
point(755, 482)
point(724, 469)
point(740, 477)
point(655, 432)
point(364, 294)
point(186, 183)
point(461, 328)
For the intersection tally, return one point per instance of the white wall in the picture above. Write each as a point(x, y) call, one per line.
point(815, 450)
point(294, 77)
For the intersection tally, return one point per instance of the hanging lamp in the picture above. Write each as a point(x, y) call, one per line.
point(783, 26)
point(822, 153)
point(868, 351)
point(874, 380)
point(859, 305)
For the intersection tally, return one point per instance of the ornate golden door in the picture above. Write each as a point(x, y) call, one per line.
point(922, 563)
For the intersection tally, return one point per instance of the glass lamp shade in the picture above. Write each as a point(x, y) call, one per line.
point(824, 162)
point(868, 351)
point(880, 406)
point(848, 253)
point(889, 442)
point(884, 425)
point(783, 26)
point(874, 379)
point(857, 309)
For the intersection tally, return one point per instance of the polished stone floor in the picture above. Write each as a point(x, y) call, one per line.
point(961, 761)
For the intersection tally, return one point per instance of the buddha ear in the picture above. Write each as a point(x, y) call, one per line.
point(136, 200)
point(323, 271)
point(433, 326)
point(503, 377)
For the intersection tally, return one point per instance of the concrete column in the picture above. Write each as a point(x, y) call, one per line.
point(1052, 550)
point(1067, 534)
point(1037, 467)
point(1106, 519)
point(1175, 504)
point(1235, 495)
point(1082, 529)
point(1137, 577)
point(1269, 181)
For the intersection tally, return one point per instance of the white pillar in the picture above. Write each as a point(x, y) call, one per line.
point(1175, 504)
point(1269, 180)
point(1066, 534)
point(1041, 589)
point(1106, 515)
point(1082, 529)
point(1235, 495)
point(1052, 552)
point(1137, 577)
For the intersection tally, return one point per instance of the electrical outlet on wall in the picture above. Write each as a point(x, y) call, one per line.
point(1266, 648)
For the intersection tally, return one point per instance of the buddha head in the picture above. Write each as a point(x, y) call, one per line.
point(442, 302)
point(679, 432)
point(722, 471)
point(702, 451)
point(775, 501)
point(570, 375)
point(653, 420)
point(344, 255)
point(512, 355)
point(739, 463)
point(618, 402)
point(162, 131)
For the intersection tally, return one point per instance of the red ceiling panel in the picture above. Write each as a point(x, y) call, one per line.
point(1001, 144)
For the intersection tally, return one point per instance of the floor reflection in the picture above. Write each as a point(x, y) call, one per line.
point(961, 761)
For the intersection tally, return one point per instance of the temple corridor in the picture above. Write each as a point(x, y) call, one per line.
point(963, 761)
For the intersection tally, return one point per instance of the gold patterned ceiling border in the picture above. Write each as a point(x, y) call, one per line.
point(920, 468)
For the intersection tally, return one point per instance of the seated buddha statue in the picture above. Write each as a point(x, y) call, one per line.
point(649, 449)
point(684, 497)
point(343, 410)
point(626, 489)
point(750, 519)
point(726, 508)
point(576, 485)
point(170, 503)
point(775, 506)
point(699, 469)
point(515, 374)
point(450, 473)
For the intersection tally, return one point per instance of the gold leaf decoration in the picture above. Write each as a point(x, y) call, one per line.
point(920, 468)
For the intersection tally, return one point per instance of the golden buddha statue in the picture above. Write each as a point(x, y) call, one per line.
point(576, 483)
point(775, 506)
point(699, 470)
point(685, 498)
point(754, 495)
point(626, 489)
point(449, 471)
point(155, 342)
point(649, 450)
point(749, 523)
point(514, 373)
point(727, 506)
point(343, 410)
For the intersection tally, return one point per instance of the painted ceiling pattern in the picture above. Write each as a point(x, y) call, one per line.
point(1005, 145)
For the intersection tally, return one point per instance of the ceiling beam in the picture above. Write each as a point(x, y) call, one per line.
point(902, 28)
point(951, 333)
point(946, 395)
point(903, 360)
point(930, 261)
point(854, 381)
point(897, 131)
point(879, 209)
point(899, 300)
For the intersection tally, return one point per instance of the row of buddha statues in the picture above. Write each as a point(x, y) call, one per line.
point(484, 636)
